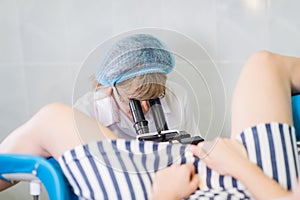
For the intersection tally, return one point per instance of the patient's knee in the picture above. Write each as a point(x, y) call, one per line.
point(267, 63)
point(54, 107)
point(262, 58)
point(52, 111)
point(262, 54)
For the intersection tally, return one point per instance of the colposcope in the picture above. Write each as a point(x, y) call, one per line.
point(162, 134)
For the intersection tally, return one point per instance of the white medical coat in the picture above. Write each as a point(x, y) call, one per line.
point(176, 107)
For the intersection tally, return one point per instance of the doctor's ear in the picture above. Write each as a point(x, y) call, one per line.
point(104, 91)
point(109, 91)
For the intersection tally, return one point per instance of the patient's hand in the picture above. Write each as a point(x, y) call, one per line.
point(224, 155)
point(175, 182)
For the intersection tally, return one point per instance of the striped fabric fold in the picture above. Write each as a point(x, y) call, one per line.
point(124, 169)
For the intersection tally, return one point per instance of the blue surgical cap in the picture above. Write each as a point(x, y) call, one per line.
point(133, 56)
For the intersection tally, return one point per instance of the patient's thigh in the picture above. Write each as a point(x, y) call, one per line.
point(262, 93)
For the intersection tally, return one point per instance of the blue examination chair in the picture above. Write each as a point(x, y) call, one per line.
point(38, 170)
point(296, 115)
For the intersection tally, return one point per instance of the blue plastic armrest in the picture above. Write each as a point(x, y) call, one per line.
point(296, 114)
point(48, 172)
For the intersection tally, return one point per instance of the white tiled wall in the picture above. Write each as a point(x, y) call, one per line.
point(44, 43)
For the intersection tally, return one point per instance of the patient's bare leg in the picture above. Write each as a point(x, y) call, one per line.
point(53, 130)
point(263, 90)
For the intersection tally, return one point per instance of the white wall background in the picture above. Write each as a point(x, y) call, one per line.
point(43, 43)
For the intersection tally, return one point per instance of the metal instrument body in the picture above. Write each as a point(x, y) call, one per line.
point(162, 134)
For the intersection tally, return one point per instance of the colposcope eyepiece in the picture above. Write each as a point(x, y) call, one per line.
point(163, 134)
point(158, 115)
point(140, 124)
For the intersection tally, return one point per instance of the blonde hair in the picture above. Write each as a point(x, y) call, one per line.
point(145, 87)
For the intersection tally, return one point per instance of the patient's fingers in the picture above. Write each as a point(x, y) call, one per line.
point(175, 182)
point(191, 168)
point(192, 174)
point(194, 183)
point(203, 149)
point(197, 150)
point(194, 178)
